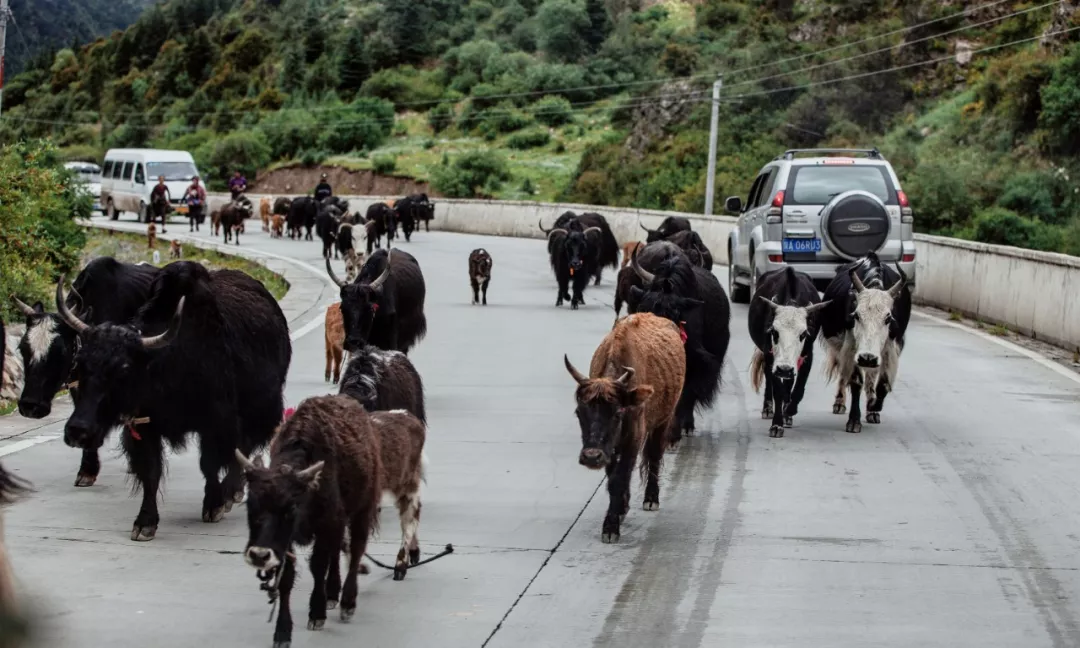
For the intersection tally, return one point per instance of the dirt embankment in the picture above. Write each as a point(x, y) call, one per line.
point(300, 180)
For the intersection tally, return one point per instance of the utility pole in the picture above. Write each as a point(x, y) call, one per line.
point(4, 14)
point(710, 180)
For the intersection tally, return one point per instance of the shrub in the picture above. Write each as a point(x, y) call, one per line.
point(1002, 227)
point(247, 151)
point(472, 174)
point(527, 187)
point(679, 60)
point(441, 117)
point(718, 15)
point(404, 85)
point(560, 147)
point(38, 236)
point(384, 164)
point(289, 131)
point(529, 139)
point(552, 111)
point(363, 124)
point(563, 27)
point(503, 118)
point(1061, 104)
point(1039, 194)
point(313, 157)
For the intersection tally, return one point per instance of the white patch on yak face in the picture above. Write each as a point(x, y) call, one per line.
point(261, 558)
point(39, 338)
point(788, 336)
point(873, 314)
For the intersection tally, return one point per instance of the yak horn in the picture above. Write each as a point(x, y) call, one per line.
point(333, 277)
point(625, 378)
point(646, 276)
point(247, 464)
point(163, 339)
point(311, 473)
point(813, 308)
point(899, 285)
point(65, 313)
point(26, 310)
point(591, 229)
point(581, 380)
point(855, 281)
point(644, 228)
point(381, 279)
point(556, 230)
point(540, 224)
point(769, 301)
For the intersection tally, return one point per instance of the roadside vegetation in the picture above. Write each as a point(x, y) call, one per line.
point(595, 101)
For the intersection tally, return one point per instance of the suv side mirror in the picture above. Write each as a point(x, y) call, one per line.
point(733, 205)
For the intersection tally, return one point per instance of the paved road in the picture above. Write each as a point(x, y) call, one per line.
point(954, 523)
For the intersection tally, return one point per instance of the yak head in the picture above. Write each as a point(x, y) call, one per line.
point(360, 303)
point(578, 246)
point(652, 236)
point(48, 349)
point(111, 370)
point(663, 296)
point(277, 497)
point(604, 406)
point(788, 334)
point(870, 317)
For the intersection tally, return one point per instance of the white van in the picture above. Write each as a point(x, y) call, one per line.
point(128, 176)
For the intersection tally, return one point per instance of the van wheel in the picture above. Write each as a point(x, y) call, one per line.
point(110, 210)
point(144, 214)
point(739, 294)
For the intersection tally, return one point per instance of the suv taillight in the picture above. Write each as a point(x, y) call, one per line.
point(906, 215)
point(776, 211)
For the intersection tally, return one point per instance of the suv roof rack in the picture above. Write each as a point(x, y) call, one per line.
point(790, 154)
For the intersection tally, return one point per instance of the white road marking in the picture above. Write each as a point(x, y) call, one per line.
point(19, 446)
point(1016, 348)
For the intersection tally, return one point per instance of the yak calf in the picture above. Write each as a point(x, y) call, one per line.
point(479, 274)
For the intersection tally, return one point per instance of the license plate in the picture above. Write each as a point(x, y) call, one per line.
point(801, 245)
point(181, 210)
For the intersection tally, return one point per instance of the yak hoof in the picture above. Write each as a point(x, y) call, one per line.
point(227, 506)
point(399, 572)
point(776, 432)
point(414, 556)
point(839, 408)
point(282, 644)
point(873, 417)
point(143, 534)
point(316, 624)
point(789, 421)
point(331, 604)
point(364, 569)
point(609, 538)
point(854, 427)
point(238, 496)
point(83, 480)
point(652, 506)
point(766, 413)
point(215, 515)
point(347, 613)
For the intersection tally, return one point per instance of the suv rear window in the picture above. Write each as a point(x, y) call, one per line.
point(818, 184)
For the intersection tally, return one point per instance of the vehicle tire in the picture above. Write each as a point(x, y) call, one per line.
point(753, 275)
point(110, 210)
point(144, 213)
point(739, 294)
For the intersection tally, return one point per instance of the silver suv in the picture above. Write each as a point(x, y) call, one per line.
point(816, 214)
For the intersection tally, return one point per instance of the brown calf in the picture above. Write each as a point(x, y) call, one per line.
point(265, 205)
point(401, 437)
point(627, 404)
point(215, 221)
point(335, 341)
point(629, 250)
point(325, 476)
point(151, 236)
point(277, 226)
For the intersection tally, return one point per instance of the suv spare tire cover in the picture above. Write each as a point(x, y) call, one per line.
point(855, 223)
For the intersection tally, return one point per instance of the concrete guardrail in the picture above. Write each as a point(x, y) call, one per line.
point(1033, 293)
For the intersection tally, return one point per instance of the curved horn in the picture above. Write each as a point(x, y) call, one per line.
point(65, 313)
point(646, 276)
point(581, 380)
point(592, 229)
point(770, 302)
point(381, 279)
point(26, 310)
point(556, 230)
point(162, 340)
point(330, 271)
point(899, 285)
point(540, 224)
point(625, 378)
point(813, 308)
point(642, 226)
point(855, 281)
point(245, 463)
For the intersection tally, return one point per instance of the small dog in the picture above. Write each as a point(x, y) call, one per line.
point(277, 226)
point(628, 251)
point(175, 251)
point(264, 211)
point(353, 262)
point(479, 273)
point(151, 236)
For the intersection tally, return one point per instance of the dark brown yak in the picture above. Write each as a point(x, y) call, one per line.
point(627, 403)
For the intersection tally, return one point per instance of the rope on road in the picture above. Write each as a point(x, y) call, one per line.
point(445, 552)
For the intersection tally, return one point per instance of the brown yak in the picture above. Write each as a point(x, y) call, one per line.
point(627, 405)
point(335, 341)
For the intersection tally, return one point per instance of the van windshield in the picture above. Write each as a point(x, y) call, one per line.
point(171, 170)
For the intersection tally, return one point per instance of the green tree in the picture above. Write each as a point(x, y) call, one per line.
point(314, 35)
point(247, 151)
point(1061, 105)
point(409, 25)
point(321, 77)
point(292, 73)
point(200, 54)
point(564, 26)
point(599, 24)
point(353, 67)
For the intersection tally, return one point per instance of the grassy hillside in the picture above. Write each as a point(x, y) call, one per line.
point(602, 101)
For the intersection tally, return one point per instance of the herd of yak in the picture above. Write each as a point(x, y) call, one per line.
point(167, 354)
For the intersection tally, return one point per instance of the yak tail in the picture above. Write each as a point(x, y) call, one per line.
point(757, 370)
